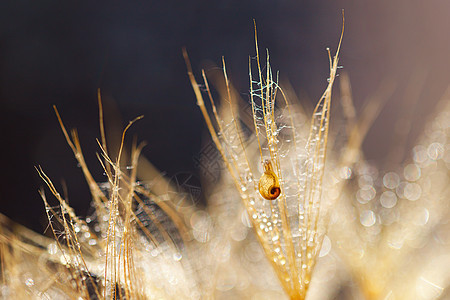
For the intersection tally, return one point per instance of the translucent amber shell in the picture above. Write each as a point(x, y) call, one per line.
point(269, 186)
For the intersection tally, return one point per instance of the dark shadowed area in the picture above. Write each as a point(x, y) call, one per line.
point(60, 52)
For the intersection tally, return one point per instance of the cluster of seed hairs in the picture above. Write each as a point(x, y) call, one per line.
point(391, 228)
point(109, 254)
point(289, 228)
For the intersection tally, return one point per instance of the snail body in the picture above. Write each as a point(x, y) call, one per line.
point(269, 186)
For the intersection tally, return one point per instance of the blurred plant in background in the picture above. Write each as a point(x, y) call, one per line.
point(391, 229)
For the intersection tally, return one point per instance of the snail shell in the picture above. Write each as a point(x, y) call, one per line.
point(269, 186)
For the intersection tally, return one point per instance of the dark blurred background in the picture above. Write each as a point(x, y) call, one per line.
point(60, 52)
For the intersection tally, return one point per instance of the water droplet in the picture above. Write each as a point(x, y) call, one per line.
point(52, 248)
point(29, 282)
point(391, 180)
point(177, 256)
point(412, 191)
point(388, 199)
point(345, 173)
point(226, 280)
point(411, 172)
point(420, 154)
point(365, 194)
point(435, 151)
point(401, 189)
point(65, 260)
point(367, 218)
point(365, 180)
point(200, 220)
point(326, 247)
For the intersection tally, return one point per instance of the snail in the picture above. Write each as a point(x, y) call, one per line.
point(269, 186)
